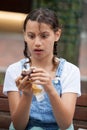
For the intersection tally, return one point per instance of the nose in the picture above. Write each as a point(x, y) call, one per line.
point(37, 41)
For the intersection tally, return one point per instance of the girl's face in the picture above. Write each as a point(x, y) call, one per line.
point(40, 39)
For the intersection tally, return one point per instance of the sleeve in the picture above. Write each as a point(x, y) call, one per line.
point(9, 81)
point(70, 79)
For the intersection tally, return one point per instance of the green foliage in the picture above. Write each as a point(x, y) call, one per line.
point(2, 78)
point(69, 13)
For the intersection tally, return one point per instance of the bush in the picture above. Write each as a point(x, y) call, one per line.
point(2, 75)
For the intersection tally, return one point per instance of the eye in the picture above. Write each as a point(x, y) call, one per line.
point(31, 36)
point(44, 36)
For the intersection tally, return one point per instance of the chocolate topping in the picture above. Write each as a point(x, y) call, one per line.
point(25, 73)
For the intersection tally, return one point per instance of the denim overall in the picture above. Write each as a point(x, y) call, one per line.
point(43, 109)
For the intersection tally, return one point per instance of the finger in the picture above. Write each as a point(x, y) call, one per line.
point(17, 80)
point(38, 70)
point(25, 86)
point(41, 80)
point(24, 82)
point(38, 74)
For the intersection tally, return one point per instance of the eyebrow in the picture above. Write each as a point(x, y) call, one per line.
point(45, 32)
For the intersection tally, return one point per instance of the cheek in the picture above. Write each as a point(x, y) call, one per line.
point(50, 44)
point(51, 39)
point(29, 43)
point(49, 47)
point(29, 47)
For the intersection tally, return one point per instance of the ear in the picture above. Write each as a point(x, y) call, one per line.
point(57, 35)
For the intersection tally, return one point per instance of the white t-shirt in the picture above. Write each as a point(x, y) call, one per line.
point(70, 78)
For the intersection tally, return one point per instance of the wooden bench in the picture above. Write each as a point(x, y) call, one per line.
point(80, 116)
point(4, 111)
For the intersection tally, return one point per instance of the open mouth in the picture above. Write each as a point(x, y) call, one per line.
point(38, 51)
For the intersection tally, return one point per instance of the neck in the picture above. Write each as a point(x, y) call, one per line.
point(43, 63)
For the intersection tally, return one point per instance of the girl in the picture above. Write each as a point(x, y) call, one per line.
point(52, 108)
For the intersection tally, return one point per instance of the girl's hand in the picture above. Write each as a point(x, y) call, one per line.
point(42, 77)
point(24, 84)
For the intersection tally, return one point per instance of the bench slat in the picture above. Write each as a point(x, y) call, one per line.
point(80, 124)
point(82, 100)
point(81, 113)
point(5, 120)
point(4, 104)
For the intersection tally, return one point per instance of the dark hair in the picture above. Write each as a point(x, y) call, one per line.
point(43, 15)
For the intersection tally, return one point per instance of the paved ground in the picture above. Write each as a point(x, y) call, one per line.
point(11, 47)
point(11, 50)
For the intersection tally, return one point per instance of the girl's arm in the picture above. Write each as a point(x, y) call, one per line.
point(63, 108)
point(20, 105)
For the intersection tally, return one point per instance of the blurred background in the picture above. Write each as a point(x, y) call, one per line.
point(73, 42)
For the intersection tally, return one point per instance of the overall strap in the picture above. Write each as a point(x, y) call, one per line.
point(24, 63)
point(60, 67)
point(59, 73)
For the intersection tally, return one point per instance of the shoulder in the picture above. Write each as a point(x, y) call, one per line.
point(16, 68)
point(67, 68)
point(16, 65)
point(70, 68)
point(70, 78)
